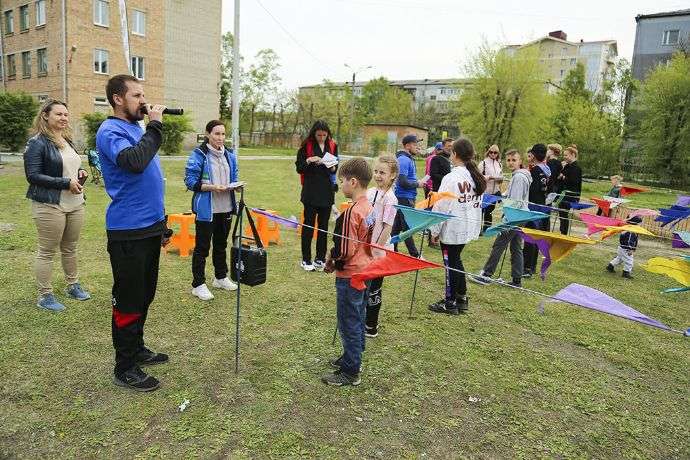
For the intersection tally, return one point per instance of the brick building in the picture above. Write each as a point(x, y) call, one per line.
point(67, 49)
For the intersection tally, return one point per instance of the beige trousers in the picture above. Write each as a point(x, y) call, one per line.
point(56, 229)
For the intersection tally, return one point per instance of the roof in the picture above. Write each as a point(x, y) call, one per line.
point(397, 124)
point(548, 37)
point(426, 81)
point(685, 12)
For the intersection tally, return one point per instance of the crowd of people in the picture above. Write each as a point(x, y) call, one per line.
point(136, 224)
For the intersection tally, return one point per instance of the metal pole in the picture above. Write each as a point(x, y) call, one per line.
point(416, 274)
point(352, 114)
point(236, 82)
point(238, 271)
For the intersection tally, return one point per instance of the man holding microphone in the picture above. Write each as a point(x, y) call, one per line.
point(135, 223)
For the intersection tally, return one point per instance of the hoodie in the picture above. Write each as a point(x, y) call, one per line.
point(518, 188)
point(406, 185)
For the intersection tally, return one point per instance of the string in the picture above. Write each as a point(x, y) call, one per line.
point(520, 288)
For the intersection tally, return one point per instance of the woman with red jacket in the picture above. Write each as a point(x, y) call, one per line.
point(318, 191)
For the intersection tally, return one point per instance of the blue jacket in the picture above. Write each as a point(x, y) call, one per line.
point(406, 185)
point(628, 240)
point(198, 171)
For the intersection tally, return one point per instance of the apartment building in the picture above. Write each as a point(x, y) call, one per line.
point(657, 37)
point(68, 50)
point(559, 56)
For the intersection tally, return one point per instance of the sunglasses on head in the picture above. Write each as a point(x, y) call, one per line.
point(493, 151)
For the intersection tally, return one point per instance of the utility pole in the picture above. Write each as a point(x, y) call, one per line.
point(352, 106)
point(236, 81)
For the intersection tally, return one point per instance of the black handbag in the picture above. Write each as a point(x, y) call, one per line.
point(251, 260)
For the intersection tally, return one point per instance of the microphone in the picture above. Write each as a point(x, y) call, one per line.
point(167, 111)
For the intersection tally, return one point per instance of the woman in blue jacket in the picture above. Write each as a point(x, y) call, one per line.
point(211, 168)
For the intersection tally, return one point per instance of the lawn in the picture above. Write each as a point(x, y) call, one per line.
point(500, 382)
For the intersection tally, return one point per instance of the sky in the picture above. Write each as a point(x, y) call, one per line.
point(416, 39)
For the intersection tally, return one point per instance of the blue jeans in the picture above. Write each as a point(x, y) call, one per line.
point(351, 311)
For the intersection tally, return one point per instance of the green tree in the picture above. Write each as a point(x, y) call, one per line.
point(395, 106)
point(17, 111)
point(372, 95)
point(663, 107)
point(174, 129)
point(226, 75)
point(91, 123)
point(508, 103)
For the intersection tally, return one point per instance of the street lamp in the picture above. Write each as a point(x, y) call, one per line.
point(352, 107)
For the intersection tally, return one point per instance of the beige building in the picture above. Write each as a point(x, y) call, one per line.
point(69, 49)
point(559, 56)
point(390, 136)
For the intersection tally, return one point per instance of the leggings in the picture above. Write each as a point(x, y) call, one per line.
point(456, 284)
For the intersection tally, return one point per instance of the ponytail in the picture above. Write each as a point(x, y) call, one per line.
point(464, 149)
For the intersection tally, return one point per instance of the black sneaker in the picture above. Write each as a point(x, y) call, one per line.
point(147, 357)
point(515, 283)
point(341, 379)
point(136, 379)
point(336, 363)
point(610, 269)
point(527, 274)
point(449, 308)
point(627, 275)
point(371, 332)
point(462, 304)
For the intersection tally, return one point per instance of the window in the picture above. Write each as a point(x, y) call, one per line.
point(24, 17)
point(573, 61)
point(138, 22)
point(9, 22)
point(100, 100)
point(40, 13)
point(11, 66)
point(562, 73)
point(671, 37)
point(138, 67)
point(101, 14)
point(26, 64)
point(100, 61)
point(42, 61)
point(42, 98)
point(433, 98)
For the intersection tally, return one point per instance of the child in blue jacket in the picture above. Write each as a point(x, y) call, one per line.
point(627, 244)
point(211, 168)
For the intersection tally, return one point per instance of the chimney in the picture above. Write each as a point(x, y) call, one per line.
point(558, 34)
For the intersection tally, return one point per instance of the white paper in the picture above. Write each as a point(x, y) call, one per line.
point(237, 184)
point(329, 160)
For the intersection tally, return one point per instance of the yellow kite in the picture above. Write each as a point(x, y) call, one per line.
point(553, 246)
point(609, 230)
point(433, 198)
point(678, 269)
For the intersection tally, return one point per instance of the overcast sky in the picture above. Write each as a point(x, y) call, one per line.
point(411, 39)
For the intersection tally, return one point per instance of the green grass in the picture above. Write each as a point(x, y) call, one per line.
point(570, 383)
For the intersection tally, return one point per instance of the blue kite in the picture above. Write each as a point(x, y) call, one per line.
point(418, 220)
point(512, 217)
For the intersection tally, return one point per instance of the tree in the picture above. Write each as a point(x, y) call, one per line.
point(507, 104)
point(663, 107)
point(372, 95)
point(91, 122)
point(226, 62)
point(17, 111)
point(395, 106)
point(174, 129)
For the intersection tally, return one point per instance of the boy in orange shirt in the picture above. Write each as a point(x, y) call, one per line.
point(350, 255)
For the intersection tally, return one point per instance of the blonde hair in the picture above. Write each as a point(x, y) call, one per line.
point(572, 149)
point(516, 153)
point(617, 178)
point(392, 164)
point(41, 124)
point(493, 146)
point(556, 148)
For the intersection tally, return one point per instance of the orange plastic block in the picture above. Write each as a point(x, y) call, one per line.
point(269, 230)
point(181, 240)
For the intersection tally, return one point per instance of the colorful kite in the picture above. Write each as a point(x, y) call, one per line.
point(613, 230)
point(512, 217)
point(681, 240)
point(393, 263)
point(625, 191)
point(586, 297)
point(643, 213)
point(673, 215)
point(678, 269)
point(433, 198)
point(553, 246)
point(418, 220)
point(598, 223)
point(683, 200)
point(578, 206)
point(488, 200)
point(604, 205)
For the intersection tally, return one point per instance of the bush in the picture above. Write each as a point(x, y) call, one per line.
point(174, 129)
point(377, 142)
point(17, 111)
point(91, 122)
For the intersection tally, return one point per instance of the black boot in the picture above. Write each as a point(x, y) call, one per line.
point(609, 268)
point(627, 275)
point(462, 303)
point(447, 307)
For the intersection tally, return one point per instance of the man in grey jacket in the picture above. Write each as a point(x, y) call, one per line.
point(517, 197)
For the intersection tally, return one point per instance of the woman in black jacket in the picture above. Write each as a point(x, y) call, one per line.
point(56, 180)
point(318, 191)
point(570, 183)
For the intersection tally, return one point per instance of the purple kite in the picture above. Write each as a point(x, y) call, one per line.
point(281, 220)
point(681, 240)
point(683, 200)
point(586, 297)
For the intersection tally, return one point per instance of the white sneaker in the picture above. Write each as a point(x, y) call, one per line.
point(225, 283)
point(202, 292)
point(307, 266)
point(319, 265)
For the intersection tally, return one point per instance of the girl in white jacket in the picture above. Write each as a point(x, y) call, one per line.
point(467, 183)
